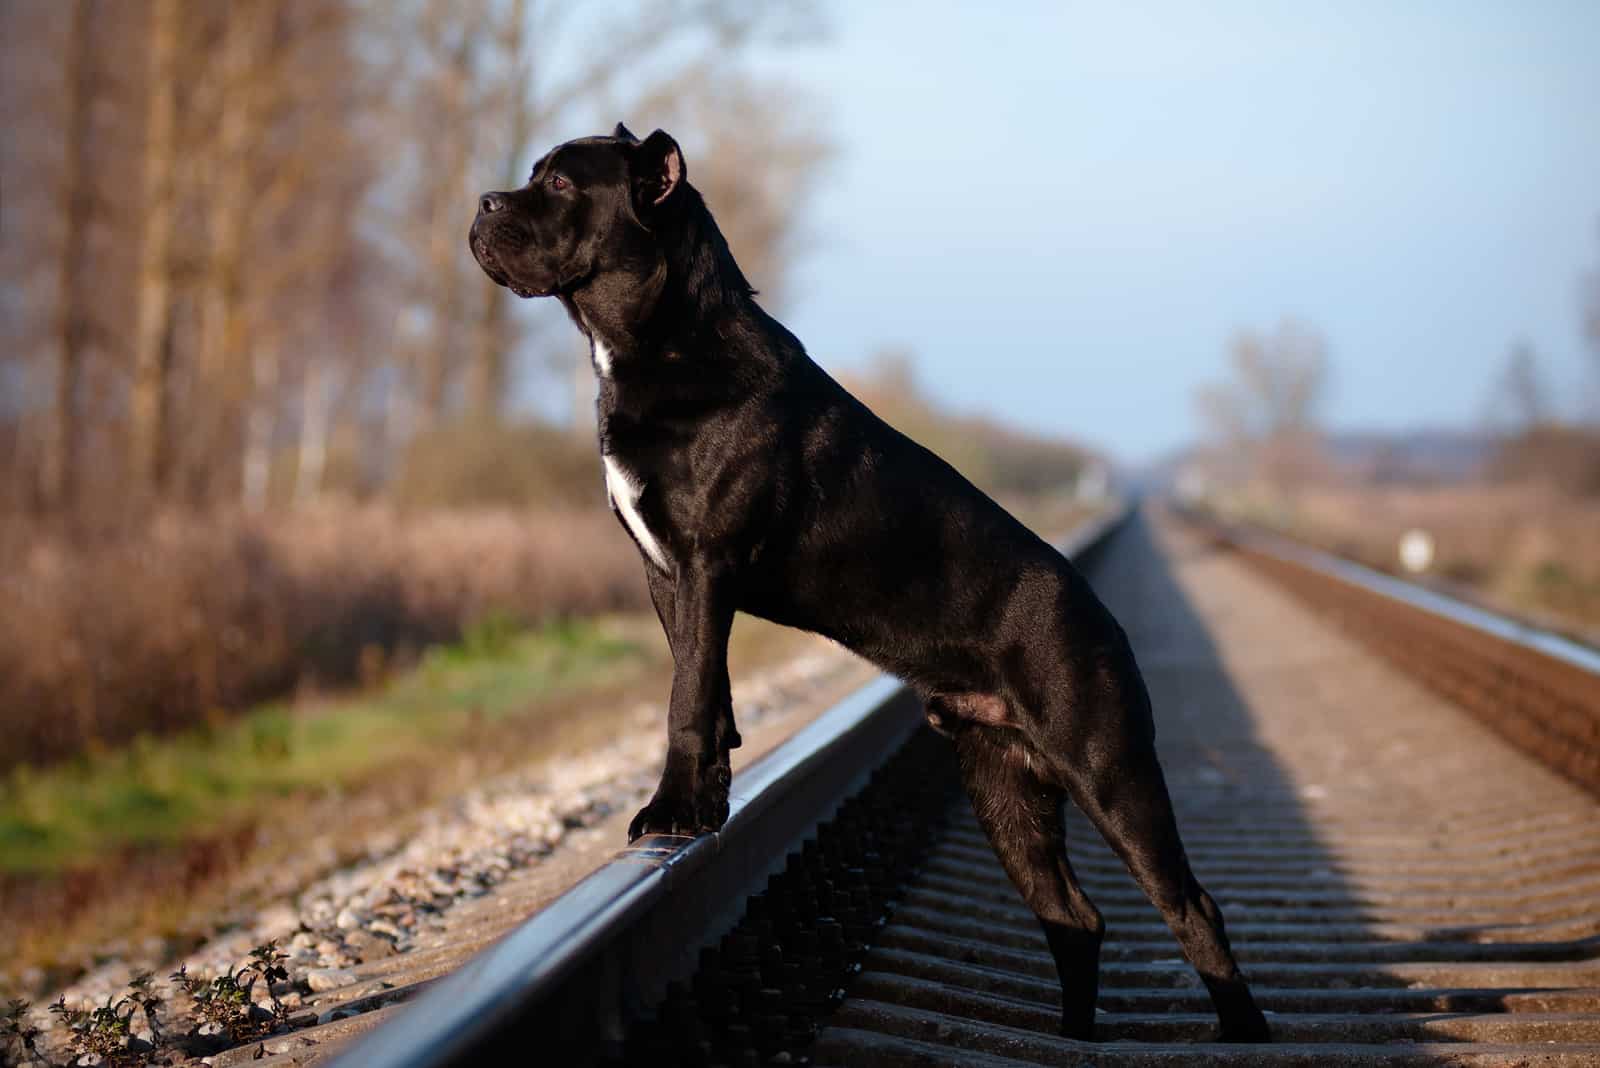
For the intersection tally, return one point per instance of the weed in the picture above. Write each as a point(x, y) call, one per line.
point(106, 1033)
point(226, 1003)
point(19, 1040)
point(269, 962)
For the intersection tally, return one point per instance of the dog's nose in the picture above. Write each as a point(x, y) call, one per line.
point(491, 203)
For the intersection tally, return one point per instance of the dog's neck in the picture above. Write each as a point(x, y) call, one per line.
point(676, 300)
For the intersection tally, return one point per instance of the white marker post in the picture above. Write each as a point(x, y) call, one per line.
point(1416, 551)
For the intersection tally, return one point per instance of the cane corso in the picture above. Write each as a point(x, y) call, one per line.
point(752, 481)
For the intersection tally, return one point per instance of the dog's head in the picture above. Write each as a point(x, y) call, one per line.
point(589, 208)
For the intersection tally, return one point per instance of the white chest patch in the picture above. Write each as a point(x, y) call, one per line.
point(602, 358)
point(624, 491)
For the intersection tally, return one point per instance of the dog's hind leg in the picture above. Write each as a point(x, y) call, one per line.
point(1125, 796)
point(1021, 814)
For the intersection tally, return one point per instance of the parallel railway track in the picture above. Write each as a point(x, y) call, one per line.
point(1401, 885)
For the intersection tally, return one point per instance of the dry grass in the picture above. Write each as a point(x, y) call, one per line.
point(107, 637)
point(1528, 550)
point(163, 898)
point(181, 630)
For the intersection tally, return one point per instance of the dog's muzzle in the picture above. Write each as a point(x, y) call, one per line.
point(483, 250)
point(490, 233)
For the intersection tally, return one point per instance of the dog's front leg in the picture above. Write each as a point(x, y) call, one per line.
point(663, 595)
point(693, 795)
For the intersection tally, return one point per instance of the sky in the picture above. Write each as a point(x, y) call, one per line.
point(1066, 210)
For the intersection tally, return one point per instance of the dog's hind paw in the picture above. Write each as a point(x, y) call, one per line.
point(1254, 1031)
point(1077, 1031)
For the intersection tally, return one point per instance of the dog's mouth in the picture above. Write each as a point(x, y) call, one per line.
point(486, 258)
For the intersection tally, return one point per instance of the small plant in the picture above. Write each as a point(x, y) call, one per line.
point(19, 1040)
point(225, 1002)
point(270, 965)
point(106, 1032)
point(106, 1036)
point(144, 995)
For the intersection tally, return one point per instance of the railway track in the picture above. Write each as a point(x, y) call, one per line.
point(1410, 872)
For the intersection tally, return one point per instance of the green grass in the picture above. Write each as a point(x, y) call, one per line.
point(169, 789)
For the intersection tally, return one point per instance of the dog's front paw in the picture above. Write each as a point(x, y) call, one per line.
point(701, 809)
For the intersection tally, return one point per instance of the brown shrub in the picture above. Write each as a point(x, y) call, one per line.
point(107, 636)
point(1566, 458)
point(1532, 549)
point(521, 465)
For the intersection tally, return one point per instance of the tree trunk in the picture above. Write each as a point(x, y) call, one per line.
point(316, 421)
point(447, 227)
point(486, 383)
point(221, 395)
point(153, 334)
point(60, 474)
point(486, 378)
point(261, 426)
point(387, 461)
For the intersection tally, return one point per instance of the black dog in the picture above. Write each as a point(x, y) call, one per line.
point(753, 482)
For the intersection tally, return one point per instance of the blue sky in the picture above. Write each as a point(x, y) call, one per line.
point(1066, 209)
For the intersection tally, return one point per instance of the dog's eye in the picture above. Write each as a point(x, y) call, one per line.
point(557, 182)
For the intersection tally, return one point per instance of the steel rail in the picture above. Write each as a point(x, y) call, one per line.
point(1512, 631)
point(580, 971)
point(1538, 690)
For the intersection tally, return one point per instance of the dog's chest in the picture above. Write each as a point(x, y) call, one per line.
point(648, 442)
point(625, 488)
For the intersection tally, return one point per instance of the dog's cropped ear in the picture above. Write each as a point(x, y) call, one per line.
point(624, 133)
point(658, 171)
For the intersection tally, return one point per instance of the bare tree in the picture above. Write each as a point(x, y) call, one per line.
point(1266, 410)
point(452, 34)
point(288, 261)
point(60, 474)
point(64, 219)
point(1536, 445)
point(1521, 401)
point(486, 382)
point(152, 357)
point(1274, 386)
point(237, 88)
point(319, 388)
point(276, 173)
